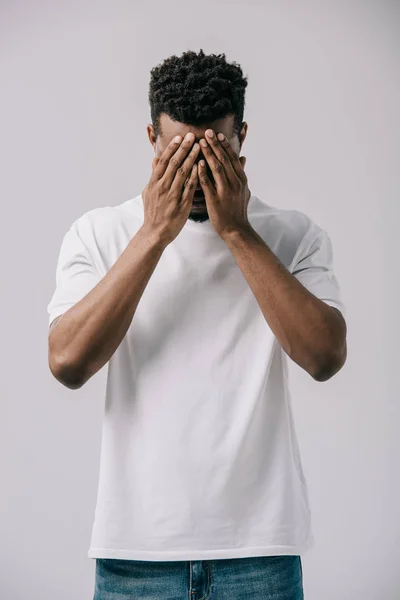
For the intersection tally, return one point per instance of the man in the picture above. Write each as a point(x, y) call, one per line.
point(196, 299)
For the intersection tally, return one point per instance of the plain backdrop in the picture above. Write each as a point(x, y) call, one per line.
point(322, 106)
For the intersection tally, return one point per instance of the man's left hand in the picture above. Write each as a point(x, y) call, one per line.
point(228, 198)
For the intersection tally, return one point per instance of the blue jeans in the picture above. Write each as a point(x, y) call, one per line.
point(253, 578)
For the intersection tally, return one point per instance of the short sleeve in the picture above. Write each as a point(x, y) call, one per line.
point(76, 274)
point(313, 267)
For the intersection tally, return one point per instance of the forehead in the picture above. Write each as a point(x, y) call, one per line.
point(172, 128)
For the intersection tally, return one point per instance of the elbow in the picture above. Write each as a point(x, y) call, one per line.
point(66, 372)
point(330, 364)
point(324, 373)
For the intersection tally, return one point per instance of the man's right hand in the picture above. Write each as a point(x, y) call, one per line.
point(89, 332)
point(167, 201)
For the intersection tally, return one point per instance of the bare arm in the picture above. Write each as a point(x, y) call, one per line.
point(87, 335)
point(311, 332)
point(84, 338)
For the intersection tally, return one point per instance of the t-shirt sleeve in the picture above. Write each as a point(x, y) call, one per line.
point(313, 267)
point(76, 273)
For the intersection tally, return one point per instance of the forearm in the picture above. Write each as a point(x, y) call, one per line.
point(88, 334)
point(310, 331)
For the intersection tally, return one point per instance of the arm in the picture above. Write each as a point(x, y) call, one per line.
point(310, 331)
point(83, 339)
point(98, 312)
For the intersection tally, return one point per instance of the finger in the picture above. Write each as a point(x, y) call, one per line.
point(205, 182)
point(175, 165)
point(222, 156)
point(233, 157)
point(217, 168)
point(184, 170)
point(163, 160)
point(190, 188)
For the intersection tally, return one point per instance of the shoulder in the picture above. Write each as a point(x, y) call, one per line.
point(94, 220)
point(97, 225)
point(290, 226)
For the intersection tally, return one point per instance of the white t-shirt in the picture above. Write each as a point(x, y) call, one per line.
point(199, 454)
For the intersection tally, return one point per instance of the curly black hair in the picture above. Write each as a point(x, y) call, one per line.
point(196, 89)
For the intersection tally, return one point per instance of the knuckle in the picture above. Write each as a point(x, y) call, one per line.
point(219, 167)
point(182, 171)
point(190, 184)
point(175, 161)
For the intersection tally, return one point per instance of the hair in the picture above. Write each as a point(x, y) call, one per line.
point(196, 89)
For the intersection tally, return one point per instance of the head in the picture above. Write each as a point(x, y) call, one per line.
point(196, 92)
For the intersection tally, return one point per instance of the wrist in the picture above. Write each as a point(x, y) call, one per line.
point(155, 237)
point(241, 231)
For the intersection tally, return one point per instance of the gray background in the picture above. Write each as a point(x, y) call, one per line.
point(322, 107)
